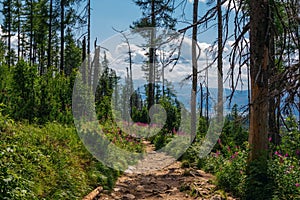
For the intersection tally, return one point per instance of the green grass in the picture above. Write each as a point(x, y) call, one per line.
point(47, 162)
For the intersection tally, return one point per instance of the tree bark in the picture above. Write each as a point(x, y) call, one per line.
point(152, 58)
point(19, 28)
point(62, 35)
point(220, 61)
point(259, 106)
point(31, 48)
point(194, 70)
point(259, 61)
point(84, 60)
point(9, 33)
point(50, 34)
point(89, 66)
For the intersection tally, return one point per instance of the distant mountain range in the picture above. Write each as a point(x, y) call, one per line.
point(183, 95)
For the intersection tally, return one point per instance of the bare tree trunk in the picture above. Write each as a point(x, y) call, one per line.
point(220, 61)
point(50, 34)
point(273, 127)
point(201, 100)
point(207, 93)
point(19, 29)
point(96, 64)
point(31, 33)
point(258, 132)
point(89, 70)
point(152, 58)
point(9, 33)
point(163, 79)
point(62, 35)
point(194, 70)
point(259, 50)
point(84, 60)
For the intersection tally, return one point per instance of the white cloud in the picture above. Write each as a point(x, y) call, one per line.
point(118, 57)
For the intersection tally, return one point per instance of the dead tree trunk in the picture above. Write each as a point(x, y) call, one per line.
point(259, 106)
point(194, 70)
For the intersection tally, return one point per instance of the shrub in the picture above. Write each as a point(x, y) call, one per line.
point(231, 175)
point(47, 162)
point(285, 172)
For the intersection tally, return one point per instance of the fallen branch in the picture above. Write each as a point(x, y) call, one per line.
point(93, 194)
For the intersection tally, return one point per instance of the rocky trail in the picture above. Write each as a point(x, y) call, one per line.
point(147, 180)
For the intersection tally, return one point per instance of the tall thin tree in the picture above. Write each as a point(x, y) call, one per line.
point(62, 35)
point(50, 33)
point(220, 60)
point(259, 61)
point(194, 69)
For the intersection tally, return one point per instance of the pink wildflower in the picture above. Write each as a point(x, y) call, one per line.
point(174, 131)
point(235, 155)
point(277, 153)
point(218, 153)
point(297, 185)
point(141, 124)
point(228, 148)
point(286, 155)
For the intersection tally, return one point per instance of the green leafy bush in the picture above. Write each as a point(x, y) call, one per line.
point(285, 172)
point(48, 162)
point(231, 175)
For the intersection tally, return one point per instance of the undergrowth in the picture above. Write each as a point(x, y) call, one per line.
point(47, 162)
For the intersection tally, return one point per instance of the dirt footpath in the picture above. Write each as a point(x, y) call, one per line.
point(147, 180)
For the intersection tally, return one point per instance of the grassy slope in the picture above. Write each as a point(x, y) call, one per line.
point(48, 162)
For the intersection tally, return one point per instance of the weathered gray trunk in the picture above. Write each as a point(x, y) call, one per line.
point(194, 70)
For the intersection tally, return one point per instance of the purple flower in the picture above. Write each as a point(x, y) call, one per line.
point(270, 139)
point(277, 153)
point(286, 155)
point(298, 152)
point(228, 148)
point(235, 155)
point(218, 153)
point(141, 124)
point(297, 185)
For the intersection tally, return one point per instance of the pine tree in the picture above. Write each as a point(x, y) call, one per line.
point(104, 91)
point(156, 13)
point(72, 53)
point(7, 26)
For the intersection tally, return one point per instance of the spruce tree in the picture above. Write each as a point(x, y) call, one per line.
point(156, 14)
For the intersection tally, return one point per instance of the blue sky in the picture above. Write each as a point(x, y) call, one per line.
point(107, 14)
point(121, 13)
